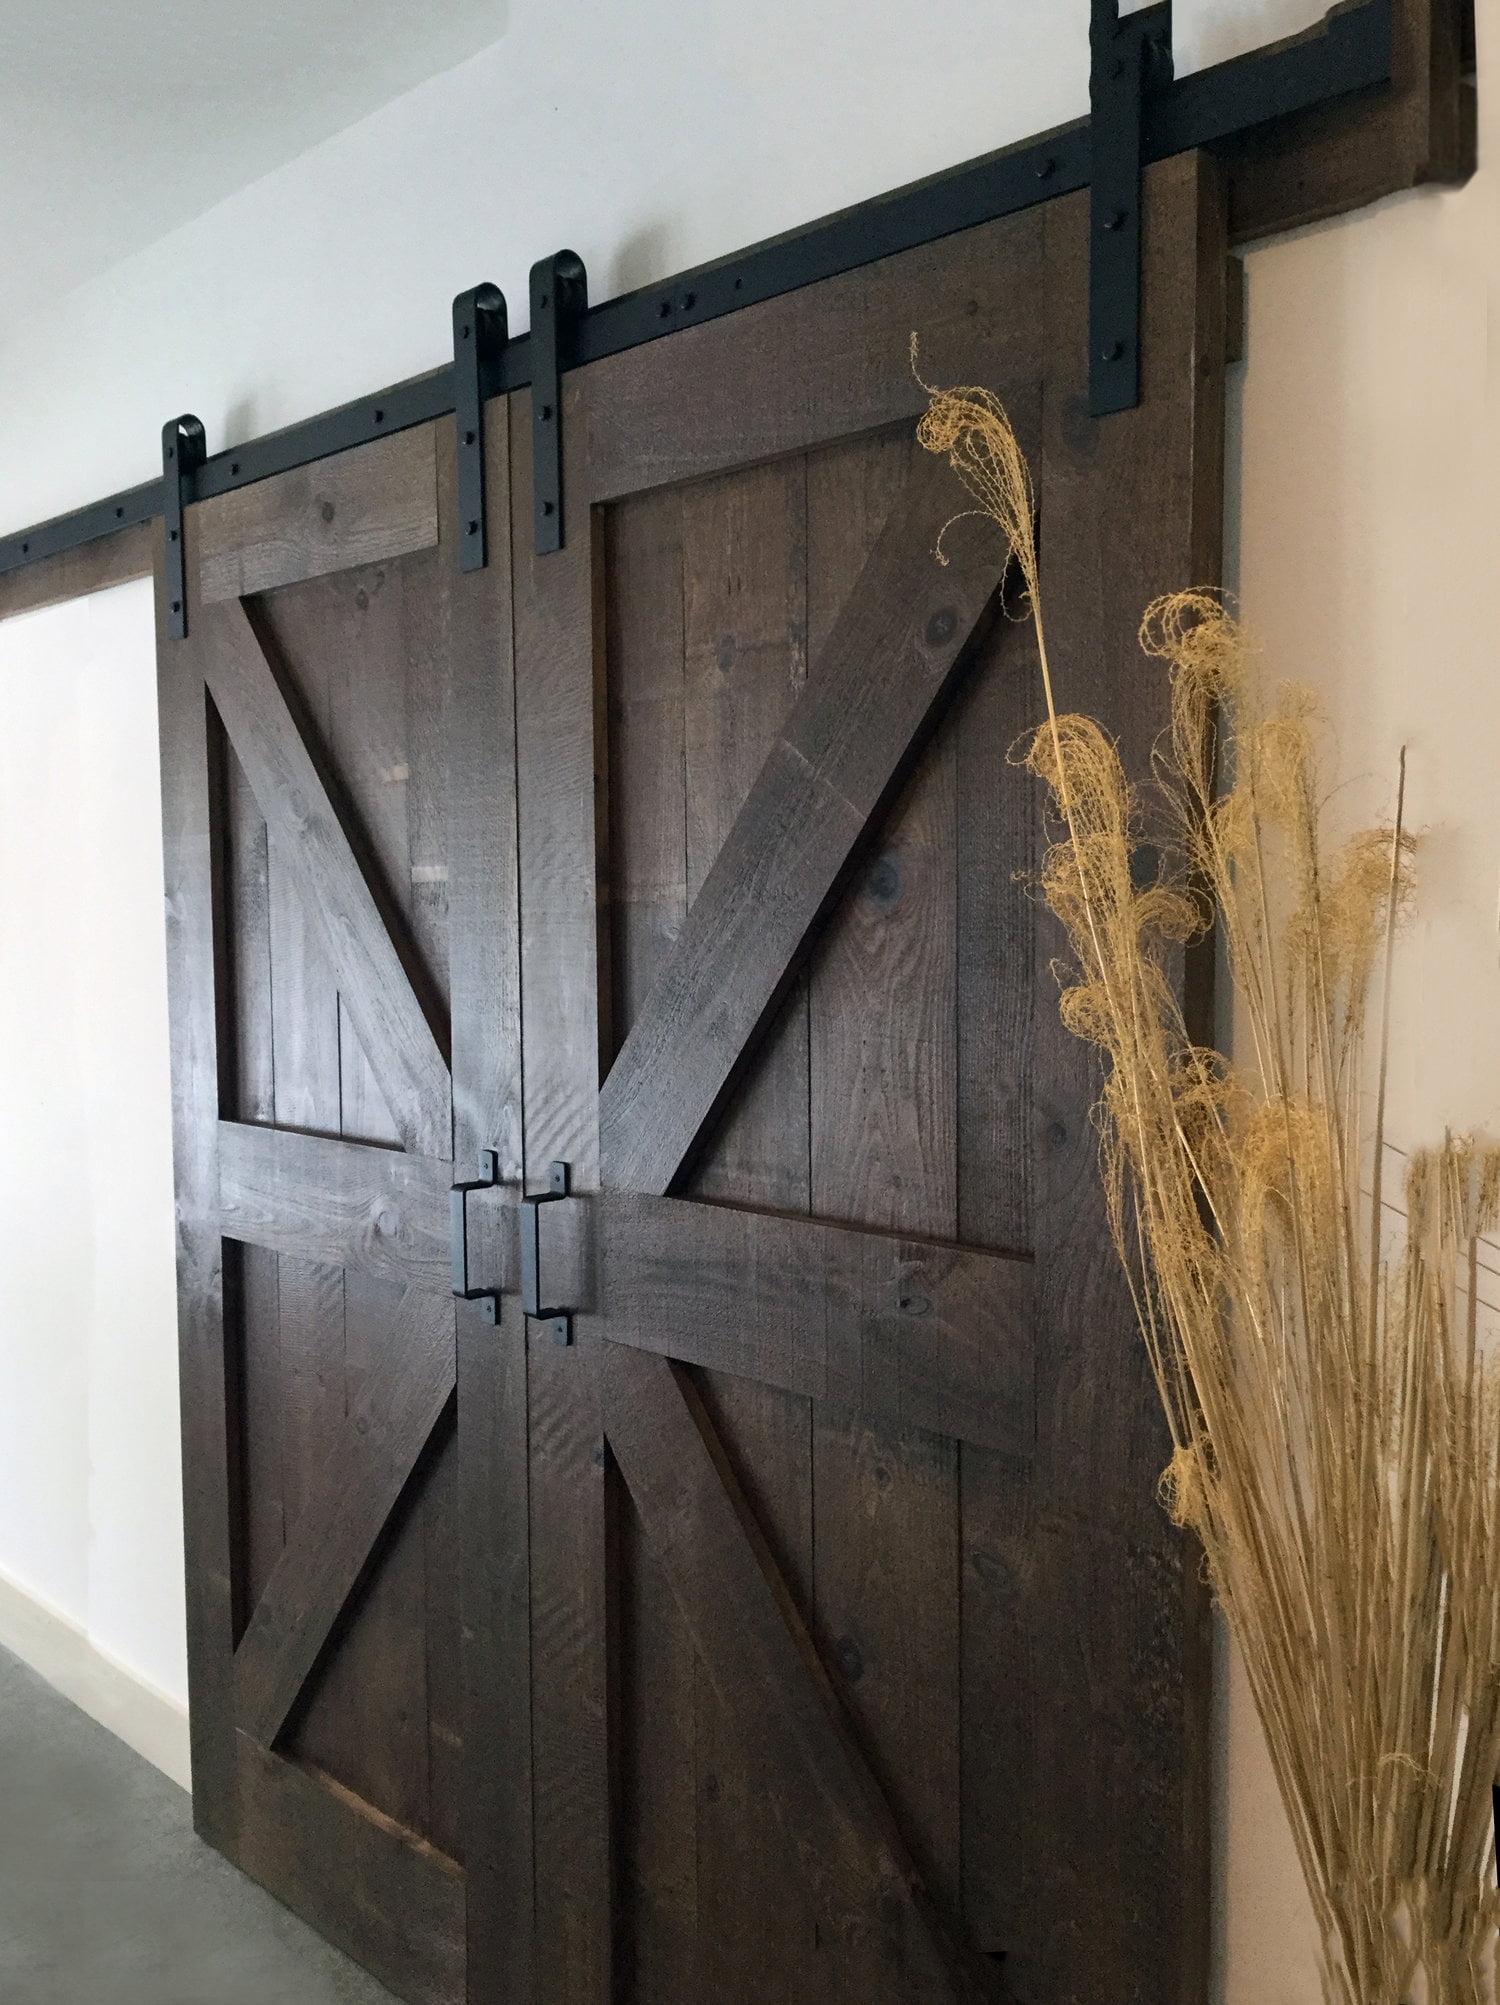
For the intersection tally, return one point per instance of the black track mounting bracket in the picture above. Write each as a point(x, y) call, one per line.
point(480, 331)
point(559, 301)
point(183, 451)
point(1131, 63)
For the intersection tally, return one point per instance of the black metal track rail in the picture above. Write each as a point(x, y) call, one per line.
point(1349, 54)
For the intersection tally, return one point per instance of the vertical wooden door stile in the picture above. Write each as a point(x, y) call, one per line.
point(662, 1774)
point(1131, 508)
point(561, 775)
point(492, 1497)
point(209, 1422)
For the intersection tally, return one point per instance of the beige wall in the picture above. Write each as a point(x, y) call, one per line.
point(1365, 513)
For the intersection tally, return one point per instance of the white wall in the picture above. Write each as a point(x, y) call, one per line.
point(646, 139)
point(90, 1487)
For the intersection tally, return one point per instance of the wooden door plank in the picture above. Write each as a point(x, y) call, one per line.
point(825, 363)
point(911, 1332)
point(562, 811)
point(344, 1204)
point(366, 506)
point(891, 658)
point(743, 664)
point(246, 1006)
point(73, 574)
point(191, 867)
point(390, 1900)
point(643, 618)
point(755, 1649)
point(364, 1469)
point(362, 1714)
point(999, 996)
point(307, 835)
point(1132, 507)
point(744, 590)
point(492, 1473)
point(884, 1018)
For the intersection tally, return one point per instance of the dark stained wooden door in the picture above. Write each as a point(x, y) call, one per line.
point(864, 1664)
point(341, 893)
point(806, 1628)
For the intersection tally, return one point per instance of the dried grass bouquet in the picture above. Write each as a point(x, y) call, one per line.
point(1334, 1408)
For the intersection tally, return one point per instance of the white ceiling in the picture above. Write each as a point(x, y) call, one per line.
point(120, 119)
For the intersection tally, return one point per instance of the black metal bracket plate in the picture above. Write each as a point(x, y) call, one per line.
point(559, 301)
point(458, 1203)
point(559, 1185)
point(183, 451)
point(480, 331)
point(1131, 63)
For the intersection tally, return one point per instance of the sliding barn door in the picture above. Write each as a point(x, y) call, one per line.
point(865, 1665)
point(341, 899)
point(787, 1617)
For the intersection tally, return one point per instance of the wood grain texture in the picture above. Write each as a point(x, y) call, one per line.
point(365, 1468)
point(744, 664)
point(762, 1663)
point(907, 1331)
point(311, 844)
point(884, 1013)
point(562, 811)
point(362, 657)
point(890, 660)
point(491, 1477)
point(759, 1931)
point(440, 1527)
point(73, 574)
point(1131, 508)
point(643, 618)
point(365, 506)
point(744, 547)
point(247, 1061)
point(342, 1203)
point(253, 1322)
point(821, 364)
point(356, 1570)
point(1327, 162)
point(661, 1856)
point(363, 1715)
point(212, 1561)
point(386, 1898)
point(363, 660)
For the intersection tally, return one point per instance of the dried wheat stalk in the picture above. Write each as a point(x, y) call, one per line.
point(1334, 1409)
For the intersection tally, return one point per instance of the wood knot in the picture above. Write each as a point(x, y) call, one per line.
point(849, 1658)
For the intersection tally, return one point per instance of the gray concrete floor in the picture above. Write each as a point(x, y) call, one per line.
point(108, 1898)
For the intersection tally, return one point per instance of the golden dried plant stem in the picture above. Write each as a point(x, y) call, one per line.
point(1335, 1416)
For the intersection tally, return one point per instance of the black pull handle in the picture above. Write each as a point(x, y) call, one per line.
point(458, 1209)
point(559, 1185)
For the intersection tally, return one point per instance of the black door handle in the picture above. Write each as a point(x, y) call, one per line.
point(559, 1186)
point(458, 1212)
